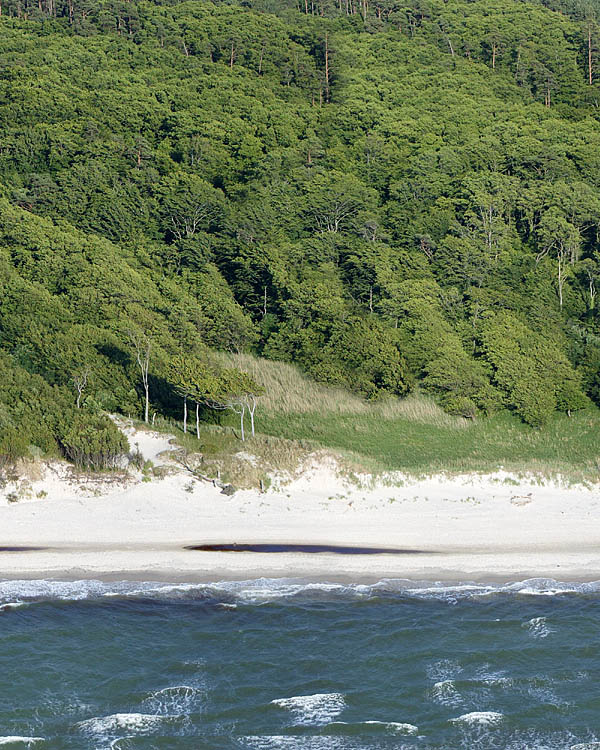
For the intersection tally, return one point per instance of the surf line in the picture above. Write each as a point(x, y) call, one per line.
point(311, 549)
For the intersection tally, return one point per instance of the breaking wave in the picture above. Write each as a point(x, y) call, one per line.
point(481, 718)
point(14, 594)
point(313, 710)
point(105, 726)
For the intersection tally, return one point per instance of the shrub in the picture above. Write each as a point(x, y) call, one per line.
point(94, 442)
point(13, 445)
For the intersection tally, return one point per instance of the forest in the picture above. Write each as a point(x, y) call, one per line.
point(396, 197)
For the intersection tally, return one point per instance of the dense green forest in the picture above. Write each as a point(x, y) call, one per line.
point(394, 196)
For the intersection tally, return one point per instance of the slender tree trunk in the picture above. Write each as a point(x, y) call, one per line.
point(147, 405)
point(589, 40)
point(561, 276)
point(185, 414)
point(198, 420)
point(242, 423)
point(493, 57)
point(326, 67)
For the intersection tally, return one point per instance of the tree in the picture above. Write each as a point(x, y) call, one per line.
point(562, 240)
point(194, 379)
point(142, 346)
point(80, 381)
point(336, 201)
point(236, 390)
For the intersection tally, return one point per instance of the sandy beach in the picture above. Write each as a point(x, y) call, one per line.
point(470, 527)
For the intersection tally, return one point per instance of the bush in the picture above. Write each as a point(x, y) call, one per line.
point(94, 442)
point(460, 383)
point(13, 445)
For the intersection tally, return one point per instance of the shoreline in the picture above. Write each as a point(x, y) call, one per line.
point(482, 528)
point(181, 566)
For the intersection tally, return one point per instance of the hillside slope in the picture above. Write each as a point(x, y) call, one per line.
point(392, 198)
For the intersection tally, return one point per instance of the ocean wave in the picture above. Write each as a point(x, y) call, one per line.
point(479, 718)
point(395, 726)
point(179, 700)
point(538, 627)
point(103, 726)
point(445, 693)
point(287, 742)
point(267, 590)
point(313, 710)
point(319, 742)
point(18, 740)
point(373, 725)
point(443, 669)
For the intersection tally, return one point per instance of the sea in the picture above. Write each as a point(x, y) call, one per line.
point(285, 664)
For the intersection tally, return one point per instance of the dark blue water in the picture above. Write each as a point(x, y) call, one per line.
point(281, 664)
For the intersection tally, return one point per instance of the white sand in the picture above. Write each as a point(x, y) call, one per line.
point(460, 528)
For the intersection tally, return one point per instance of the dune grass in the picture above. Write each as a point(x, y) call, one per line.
point(297, 416)
point(414, 435)
point(567, 446)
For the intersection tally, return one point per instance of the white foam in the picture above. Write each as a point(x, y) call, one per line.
point(538, 627)
point(482, 718)
point(264, 590)
point(106, 725)
point(288, 742)
point(445, 669)
point(313, 710)
point(396, 726)
point(14, 739)
point(586, 746)
point(179, 700)
point(446, 694)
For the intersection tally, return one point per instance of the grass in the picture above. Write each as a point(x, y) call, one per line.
point(567, 446)
point(288, 391)
point(412, 435)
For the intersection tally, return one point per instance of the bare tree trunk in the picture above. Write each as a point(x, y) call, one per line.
point(142, 346)
point(185, 415)
point(80, 380)
point(590, 54)
point(252, 409)
point(147, 404)
point(198, 420)
point(561, 275)
point(326, 67)
point(242, 423)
